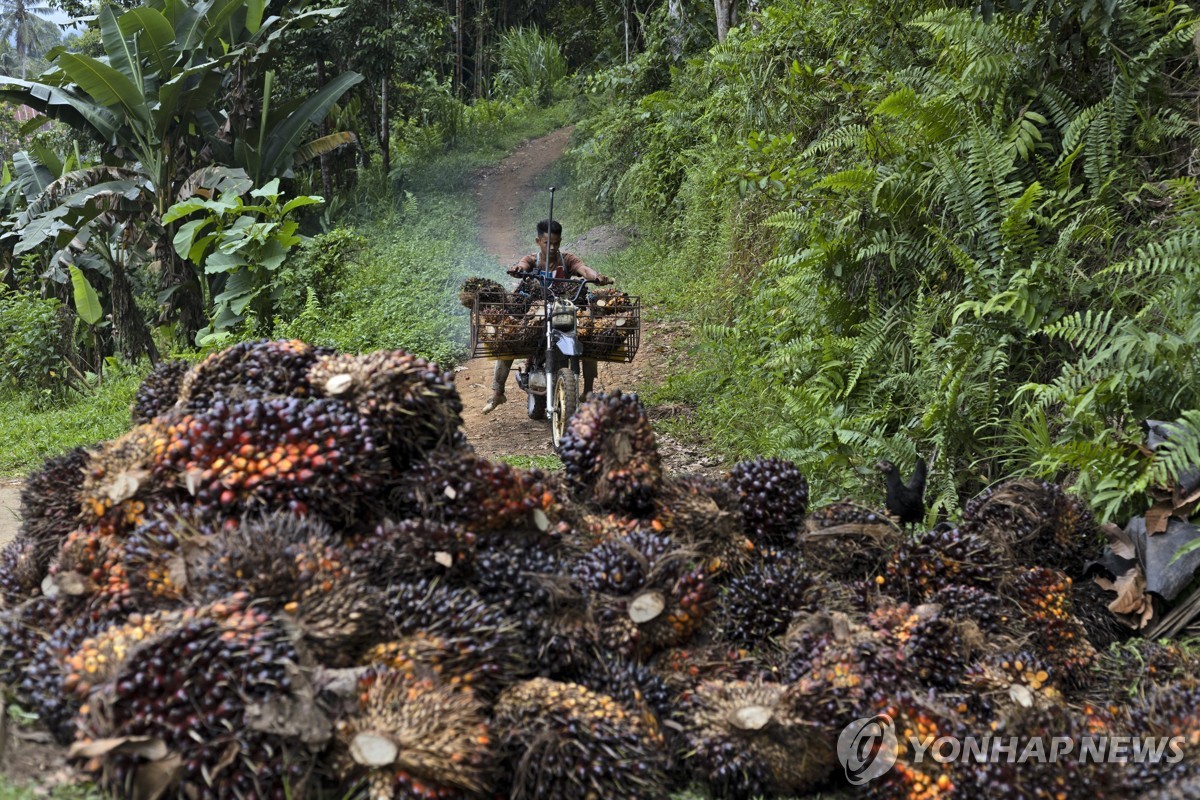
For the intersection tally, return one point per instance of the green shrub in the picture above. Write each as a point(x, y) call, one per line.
point(34, 332)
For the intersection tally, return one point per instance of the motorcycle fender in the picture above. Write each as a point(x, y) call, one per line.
point(568, 345)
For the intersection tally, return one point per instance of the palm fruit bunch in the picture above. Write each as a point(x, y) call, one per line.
point(1030, 775)
point(757, 606)
point(1090, 603)
point(604, 302)
point(845, 667)
point(250, 369)
point(413, 739)
point(933, 560)
point(1164, 712)
point(1044, 597)
point(155, 555)
point(917, 776)
point(684, 667)
point(773, 495)
point(299, 568)
point(279, 453)
point(638, 689)
point(645, 593)
point(752, 739)
point(534, 586)
point(999, 683)
point(706, 515)
point(485, 289)
point(564, 741)
point(467, 489)
point(195, 686)
point(89, 574)
point(159, 391)
point(531, 288)
point(412, 549)
point(451, 633)
point(1038, 522)
point(936, 647)
point(988, 611)
point(100, 657)
point(1184, 788)
point(848, 541)
point(609, 453)
point(409, 404)
point(50, 509)
point(23, 629)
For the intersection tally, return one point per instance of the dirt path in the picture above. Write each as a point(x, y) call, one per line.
point(10, 504)
point(508, 431)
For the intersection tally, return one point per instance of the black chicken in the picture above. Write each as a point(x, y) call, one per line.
point(905, 501)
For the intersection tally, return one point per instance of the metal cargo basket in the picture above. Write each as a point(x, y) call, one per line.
point(501, 329)
point(612, 331)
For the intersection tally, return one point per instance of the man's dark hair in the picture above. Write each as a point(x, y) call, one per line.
point(550, 225)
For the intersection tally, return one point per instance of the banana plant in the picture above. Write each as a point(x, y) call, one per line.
point(162, 78)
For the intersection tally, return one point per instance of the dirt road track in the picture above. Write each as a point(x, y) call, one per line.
point(10, 503)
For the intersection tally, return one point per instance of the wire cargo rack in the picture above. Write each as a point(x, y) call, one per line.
point(607, 330)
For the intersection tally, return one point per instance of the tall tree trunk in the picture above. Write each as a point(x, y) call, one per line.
point(752, 8)
point(625, 7)
point(726, 17)
point(480, 57)
point(459, 24)
point(326, 172)
point(385, 127)
point(132, 336)
point(675, 14)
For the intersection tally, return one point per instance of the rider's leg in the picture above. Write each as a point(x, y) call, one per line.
point(499, 378)
point(589, 375)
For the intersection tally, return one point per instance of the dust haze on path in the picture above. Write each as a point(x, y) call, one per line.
point(501, 192)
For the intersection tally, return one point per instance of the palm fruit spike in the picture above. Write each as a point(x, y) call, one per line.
point(758, 606)
point(1038, 522)
point(409, 404)
point(155, 555)
point(469, 490)
point(413, 549)
point(773, 495)
point(705, 514)
point(933, 560)
point(644, 579)
point(90, 574)
point(1044, 596)
point(283, 453)
point(298, 567)
point(194, 687)
point(50, 503)
point(452, 633)
point(747, 740)
point(609, 452)
point(250, 369)
point(416, 740)
point(848, 541)
point(564, 742)
point(159, 391)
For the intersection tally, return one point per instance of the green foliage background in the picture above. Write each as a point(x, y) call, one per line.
point(944, 230)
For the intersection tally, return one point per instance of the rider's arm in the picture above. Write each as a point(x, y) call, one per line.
point(525, 265)
point(578, 269)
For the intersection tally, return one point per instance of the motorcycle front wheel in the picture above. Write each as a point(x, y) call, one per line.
point(566, 398)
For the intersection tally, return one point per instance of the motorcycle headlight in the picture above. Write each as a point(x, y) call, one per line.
point(562, 315)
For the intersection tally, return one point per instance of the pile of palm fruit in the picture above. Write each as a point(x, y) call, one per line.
point(294, 577)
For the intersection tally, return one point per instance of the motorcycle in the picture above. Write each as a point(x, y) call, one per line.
point(551, 376)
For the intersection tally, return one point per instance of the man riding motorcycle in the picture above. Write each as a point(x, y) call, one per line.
point(560, 264)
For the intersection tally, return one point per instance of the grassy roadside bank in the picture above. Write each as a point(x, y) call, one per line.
point(402, 249)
